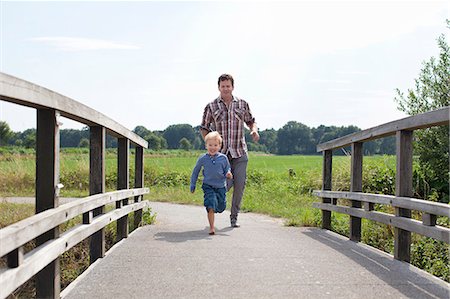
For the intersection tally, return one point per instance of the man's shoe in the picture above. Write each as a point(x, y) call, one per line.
point(234, 223)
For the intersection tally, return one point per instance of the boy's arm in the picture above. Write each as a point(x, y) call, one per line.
point(195, 173)
point(227, 169)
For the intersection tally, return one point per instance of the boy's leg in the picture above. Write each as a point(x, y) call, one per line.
point(211, 221)
point(221, 200)
point(209, 197)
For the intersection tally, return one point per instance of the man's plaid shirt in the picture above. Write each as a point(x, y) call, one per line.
point(229, 122)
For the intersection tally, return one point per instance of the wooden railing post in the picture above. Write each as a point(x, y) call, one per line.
point(123, 171)
point(326, 185)
point(403, 187)
point(138, 180)
point(47, 194)
point(356, 186)
point(97, 185)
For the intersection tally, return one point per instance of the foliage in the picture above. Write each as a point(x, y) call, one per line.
point(432, 91)
point(185, 144)
point(294, 138)
point(174, 133)
point(148, 217)
point(5, 133)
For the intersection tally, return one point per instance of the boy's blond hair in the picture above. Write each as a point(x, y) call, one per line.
point(213, 135)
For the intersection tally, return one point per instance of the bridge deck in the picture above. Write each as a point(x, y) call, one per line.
point(262, 259)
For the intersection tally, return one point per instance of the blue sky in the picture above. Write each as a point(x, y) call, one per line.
point(156, 63)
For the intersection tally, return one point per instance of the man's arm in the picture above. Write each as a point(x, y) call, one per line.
point(204, 132)
point(254, 132)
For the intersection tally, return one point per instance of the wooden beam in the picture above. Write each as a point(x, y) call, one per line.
point(25, 93)
point(326, 185)
point(425, 120)
point(403, 187)
point(430, 207)
point(356, 186)
point(47, 194)
point(14, 236)
point(138, 181)
point(97, 155)
point(123, 171)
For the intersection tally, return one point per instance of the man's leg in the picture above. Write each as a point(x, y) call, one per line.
point(239, 170)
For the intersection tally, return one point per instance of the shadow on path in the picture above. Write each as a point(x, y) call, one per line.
point(177, 237)
point(412, 283)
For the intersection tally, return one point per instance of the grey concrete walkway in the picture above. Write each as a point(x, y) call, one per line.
point(176, 258)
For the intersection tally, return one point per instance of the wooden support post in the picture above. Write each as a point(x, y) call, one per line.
point(326, 185)
point(138, 181)
point(123, 171)
point(356, 186)
point(97, 151)
point(429, 219)
point(403, 187)
point(15, 257)
point(47, 194)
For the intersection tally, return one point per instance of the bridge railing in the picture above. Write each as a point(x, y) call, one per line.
point(43, 261)
point(362, 204)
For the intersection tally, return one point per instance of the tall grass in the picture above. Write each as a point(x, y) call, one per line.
point(279, 186)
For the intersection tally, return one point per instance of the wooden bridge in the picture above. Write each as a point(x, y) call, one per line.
point(268, 259)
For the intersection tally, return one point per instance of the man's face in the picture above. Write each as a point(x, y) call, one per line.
point(213, 146)
point(225, 88)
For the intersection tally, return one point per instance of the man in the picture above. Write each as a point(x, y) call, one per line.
point(227, 114)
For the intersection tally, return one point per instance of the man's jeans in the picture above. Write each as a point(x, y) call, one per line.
point(239, 170)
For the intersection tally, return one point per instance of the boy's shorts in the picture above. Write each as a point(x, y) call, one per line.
point(214, 198)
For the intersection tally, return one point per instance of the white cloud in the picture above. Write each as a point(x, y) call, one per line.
point(82, 44)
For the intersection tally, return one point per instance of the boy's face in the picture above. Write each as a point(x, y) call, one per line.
point(213, 146)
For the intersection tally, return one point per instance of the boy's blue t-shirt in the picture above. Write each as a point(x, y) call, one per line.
point(214, 172)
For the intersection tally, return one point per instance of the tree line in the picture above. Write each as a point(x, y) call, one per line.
point(293, 138)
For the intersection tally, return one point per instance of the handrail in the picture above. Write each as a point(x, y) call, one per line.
point(402, 202)
point(435, 208)
point(429, 119)
point(44, 226)
point(25, 93)
point(19, 233)
point(424, 228)
point(37, 259)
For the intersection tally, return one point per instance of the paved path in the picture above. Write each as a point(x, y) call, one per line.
point(176, 258)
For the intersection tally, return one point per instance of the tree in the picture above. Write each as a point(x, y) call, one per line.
point(295, 138)
point(84, 142)
point(431, 91)
point(5, 133)
point(185, 144)
point(174, 133)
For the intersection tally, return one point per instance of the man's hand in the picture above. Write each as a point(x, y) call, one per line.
point(255, 136)
point(229, 175)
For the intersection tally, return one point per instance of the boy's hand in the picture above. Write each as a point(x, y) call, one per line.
point(229, 175)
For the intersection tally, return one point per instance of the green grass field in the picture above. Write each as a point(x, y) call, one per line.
point(271, 189)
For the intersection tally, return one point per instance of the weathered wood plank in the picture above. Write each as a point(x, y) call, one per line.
point(97, 156)
point(19, 233)
point(326, 185)
point(123, 182)
point(38, 259)
point(433, 118)
point(437, 232)
point(403, 187)
point(138, 181)
point(429, 207)
point(356, 186)
point(25, 93)
point(47, 194)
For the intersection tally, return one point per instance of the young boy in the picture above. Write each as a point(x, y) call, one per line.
point(216, 169)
